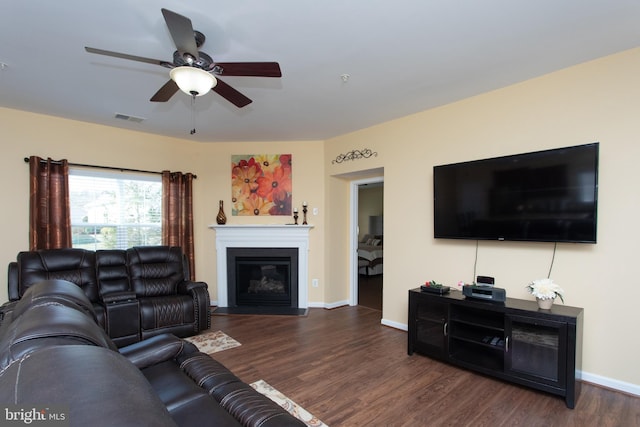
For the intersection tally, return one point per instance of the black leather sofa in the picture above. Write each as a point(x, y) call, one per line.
point(135, 293)
point(55, 359)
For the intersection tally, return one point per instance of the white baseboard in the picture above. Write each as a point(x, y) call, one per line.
point(310, 305)
point(397, 325)
point(618, 385)
point(328, 306)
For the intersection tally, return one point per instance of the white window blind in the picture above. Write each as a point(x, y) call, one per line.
point(114, 210)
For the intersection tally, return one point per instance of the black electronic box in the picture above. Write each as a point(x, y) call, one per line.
point(487, 293)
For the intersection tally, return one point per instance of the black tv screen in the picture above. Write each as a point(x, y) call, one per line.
point(544, 196)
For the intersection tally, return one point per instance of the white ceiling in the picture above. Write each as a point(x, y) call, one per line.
point(402, 56)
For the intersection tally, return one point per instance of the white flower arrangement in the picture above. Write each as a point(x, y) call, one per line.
point(545, 289)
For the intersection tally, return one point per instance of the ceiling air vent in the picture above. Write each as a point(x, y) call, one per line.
point(129, 118)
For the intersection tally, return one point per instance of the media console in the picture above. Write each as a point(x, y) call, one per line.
point(514, 341)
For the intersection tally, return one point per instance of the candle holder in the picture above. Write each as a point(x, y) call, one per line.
point(295, 216)
point(304, 213)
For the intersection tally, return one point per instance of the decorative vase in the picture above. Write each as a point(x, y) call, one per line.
point(545, 304)
point(221, 218)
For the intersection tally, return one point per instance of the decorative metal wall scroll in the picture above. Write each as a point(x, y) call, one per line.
point(365, 153)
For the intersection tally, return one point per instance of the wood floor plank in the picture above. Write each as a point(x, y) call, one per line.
point(347, 369)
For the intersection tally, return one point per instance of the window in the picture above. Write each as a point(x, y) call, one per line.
point(114, 210)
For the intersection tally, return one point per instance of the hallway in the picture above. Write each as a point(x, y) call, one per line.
point(370, 291)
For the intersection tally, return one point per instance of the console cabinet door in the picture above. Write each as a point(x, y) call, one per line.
point(428, 325)
point(536, 350)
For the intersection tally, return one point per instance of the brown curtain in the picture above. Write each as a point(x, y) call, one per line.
point(49, 212)
point(177, 214)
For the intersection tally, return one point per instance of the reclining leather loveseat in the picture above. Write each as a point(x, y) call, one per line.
point(55, 361)
point(135, 293)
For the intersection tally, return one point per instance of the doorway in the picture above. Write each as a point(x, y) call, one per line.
point(367, 219)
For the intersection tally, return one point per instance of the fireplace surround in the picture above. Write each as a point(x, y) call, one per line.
point(262, 236)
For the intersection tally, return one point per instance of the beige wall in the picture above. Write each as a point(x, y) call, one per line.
point(595, 101)
point(26, 134)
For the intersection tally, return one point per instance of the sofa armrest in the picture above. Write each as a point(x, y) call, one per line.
point(245, 404)
point(157, 349)
point(188, 286)
point(199, 291)
point(113, 297)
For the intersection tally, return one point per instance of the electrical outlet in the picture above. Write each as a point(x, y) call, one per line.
point(315, 211)
point(314, 283)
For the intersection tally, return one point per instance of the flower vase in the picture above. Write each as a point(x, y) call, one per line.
point(221, 218)
point(545, 304)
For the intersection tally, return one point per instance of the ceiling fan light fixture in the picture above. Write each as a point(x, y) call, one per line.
point(193, 80)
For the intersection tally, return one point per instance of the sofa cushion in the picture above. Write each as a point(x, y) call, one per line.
point(182, 396)
point(112, 272)
point(98, 386)
point(164, 311)
point(73, 265)
point(202, 411)
point(155, 270)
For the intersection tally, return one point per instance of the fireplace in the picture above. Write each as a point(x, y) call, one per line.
point(263, 277)
point(258, 236)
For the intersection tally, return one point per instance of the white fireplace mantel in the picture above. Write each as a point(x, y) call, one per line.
point(262, 236)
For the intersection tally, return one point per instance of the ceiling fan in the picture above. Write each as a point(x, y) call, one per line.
point(194, 72)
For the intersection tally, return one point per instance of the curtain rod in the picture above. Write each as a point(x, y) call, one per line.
point(26, 160)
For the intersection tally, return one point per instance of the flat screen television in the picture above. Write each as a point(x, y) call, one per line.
point(544, 196)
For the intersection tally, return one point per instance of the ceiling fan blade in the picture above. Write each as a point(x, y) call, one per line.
point(255, 69)
point(165, 92)
point(130, 57)
point(231, 95)
point(181, 32)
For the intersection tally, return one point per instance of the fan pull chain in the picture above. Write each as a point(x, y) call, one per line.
point(193, 114)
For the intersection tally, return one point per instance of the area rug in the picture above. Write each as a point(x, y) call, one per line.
point(292, 407)
point(212, 342)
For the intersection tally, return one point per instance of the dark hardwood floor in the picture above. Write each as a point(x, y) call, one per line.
point(347, 369)
point(370, 291)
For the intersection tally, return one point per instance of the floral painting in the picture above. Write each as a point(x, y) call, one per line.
point(261, 184)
